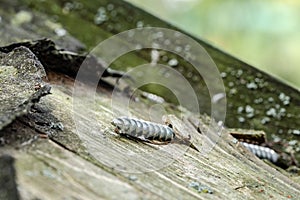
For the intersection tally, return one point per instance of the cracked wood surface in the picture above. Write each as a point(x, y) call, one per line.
point(67, 166)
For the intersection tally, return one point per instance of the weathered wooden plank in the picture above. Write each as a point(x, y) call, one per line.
point(65, 147)
point(255, 99)
point(54, 173)
point(226, 170)
point(159, 171)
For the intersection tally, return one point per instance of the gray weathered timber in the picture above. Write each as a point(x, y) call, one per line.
point(64, 146)
point(255, 100)
point(228, 170)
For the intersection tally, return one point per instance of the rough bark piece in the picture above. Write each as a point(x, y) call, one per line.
point(21, 83)
point(59, 60)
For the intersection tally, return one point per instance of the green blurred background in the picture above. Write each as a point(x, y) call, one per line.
point(263, 33)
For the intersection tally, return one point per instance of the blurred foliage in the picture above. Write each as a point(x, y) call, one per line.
point(262, 33)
